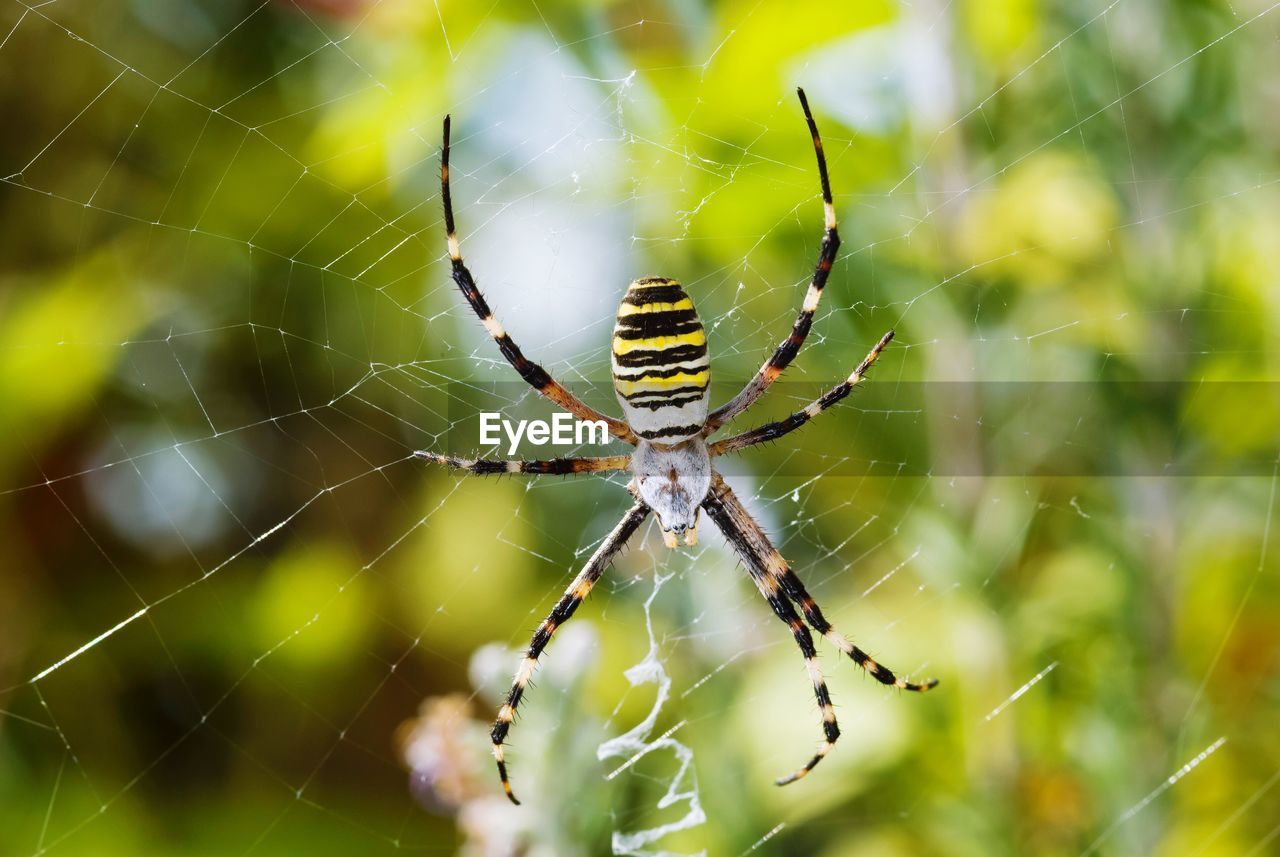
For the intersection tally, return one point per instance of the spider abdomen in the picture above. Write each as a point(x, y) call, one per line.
point(660, 367)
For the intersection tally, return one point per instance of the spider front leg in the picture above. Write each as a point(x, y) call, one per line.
point(790, 346)
point(773, 431)
point(531, 372)
point(555, 466)
point(564, 609)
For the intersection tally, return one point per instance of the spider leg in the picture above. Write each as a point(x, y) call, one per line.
point(790, 346)
point(775, 578)
point(557, 466)
point(795, 590)
point(531, 372)
point(777, 568)
point(564, 609)
point(751, 546)
point(773, 431)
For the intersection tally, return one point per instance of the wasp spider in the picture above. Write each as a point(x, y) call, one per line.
point(660, 375)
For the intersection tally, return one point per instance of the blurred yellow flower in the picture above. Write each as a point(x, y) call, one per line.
point(1038, 224)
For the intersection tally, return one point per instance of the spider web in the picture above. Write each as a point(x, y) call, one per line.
point(229, 324)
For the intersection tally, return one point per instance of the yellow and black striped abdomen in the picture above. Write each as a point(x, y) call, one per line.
point(660, 367)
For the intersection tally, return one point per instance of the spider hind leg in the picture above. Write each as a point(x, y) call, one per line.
point(780, 586)
point(568, 604)
point(778, 569)
point(791, 585)
point(731, 518)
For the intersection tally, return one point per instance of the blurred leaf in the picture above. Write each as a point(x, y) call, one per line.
point(313, 609)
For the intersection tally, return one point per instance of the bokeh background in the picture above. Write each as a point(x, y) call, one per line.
point(236, 616)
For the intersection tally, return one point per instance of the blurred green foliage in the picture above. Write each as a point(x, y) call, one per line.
point(226, 323)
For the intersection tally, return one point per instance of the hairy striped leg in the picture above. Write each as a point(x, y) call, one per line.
point(741, 531)
point(795, 590)
point(790, 346)
point(564, 609)
point(773, 431)
point(785, 579)
point(531, 372)
point(556, 466)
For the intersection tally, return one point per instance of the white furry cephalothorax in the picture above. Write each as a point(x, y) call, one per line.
point(673, 481)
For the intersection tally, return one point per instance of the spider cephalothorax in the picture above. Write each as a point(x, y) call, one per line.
point(661, 375)
point(673, 481)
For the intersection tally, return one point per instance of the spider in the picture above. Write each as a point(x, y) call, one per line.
point(660, 376)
